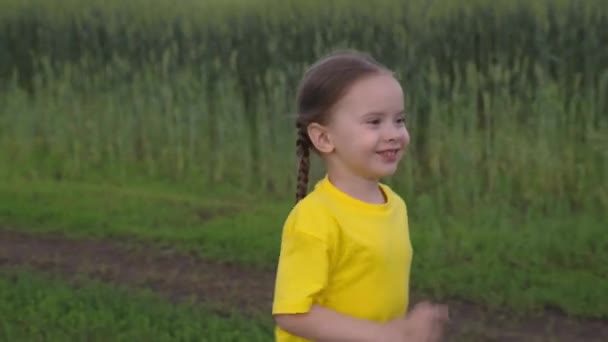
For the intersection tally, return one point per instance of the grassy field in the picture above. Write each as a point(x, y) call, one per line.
point(118, 101)
point(97, 312)
point(488, 259)
point(172, 127)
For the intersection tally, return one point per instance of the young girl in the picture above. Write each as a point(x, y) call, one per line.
point(343, 271)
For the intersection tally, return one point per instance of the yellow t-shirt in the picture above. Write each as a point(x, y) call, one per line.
point(344, 254)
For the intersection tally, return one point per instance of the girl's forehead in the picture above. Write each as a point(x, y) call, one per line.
point(379, 92)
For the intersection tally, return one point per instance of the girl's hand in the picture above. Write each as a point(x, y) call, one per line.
point(424, 323)
point(427, 321)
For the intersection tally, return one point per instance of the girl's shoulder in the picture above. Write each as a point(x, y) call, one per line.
point(312, 215)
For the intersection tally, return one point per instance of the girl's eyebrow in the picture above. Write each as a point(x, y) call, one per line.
point(380, 113)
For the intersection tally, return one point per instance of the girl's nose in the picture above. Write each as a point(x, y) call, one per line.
point(394, 133)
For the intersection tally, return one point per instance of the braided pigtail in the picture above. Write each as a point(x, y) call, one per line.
point(303, 154)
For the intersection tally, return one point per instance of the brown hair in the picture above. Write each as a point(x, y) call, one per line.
point(324, 84)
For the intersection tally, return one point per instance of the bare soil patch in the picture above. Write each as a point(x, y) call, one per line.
point(178, 276)
point(227, 287)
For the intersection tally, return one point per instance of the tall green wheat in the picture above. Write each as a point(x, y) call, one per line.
point(506, 102)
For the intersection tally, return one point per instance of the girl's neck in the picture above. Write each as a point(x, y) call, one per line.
point(363, 189)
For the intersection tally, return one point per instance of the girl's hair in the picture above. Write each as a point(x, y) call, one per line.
point(324, 84)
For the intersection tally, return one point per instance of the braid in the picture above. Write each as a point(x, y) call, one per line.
point(303, 154)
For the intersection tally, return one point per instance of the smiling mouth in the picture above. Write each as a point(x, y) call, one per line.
point(389, 153)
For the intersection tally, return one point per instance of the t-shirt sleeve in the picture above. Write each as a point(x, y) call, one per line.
point(303, 265)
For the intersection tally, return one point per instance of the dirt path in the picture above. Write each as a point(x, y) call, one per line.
point(180, 277)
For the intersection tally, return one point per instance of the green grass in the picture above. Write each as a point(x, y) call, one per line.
point(39, 308)
point(229, 228)
point(164, 94)
point(539, 154)
point(517, 262)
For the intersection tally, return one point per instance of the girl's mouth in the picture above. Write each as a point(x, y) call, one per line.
point(389, 155)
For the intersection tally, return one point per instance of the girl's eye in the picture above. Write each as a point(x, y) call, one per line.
point(374, 122)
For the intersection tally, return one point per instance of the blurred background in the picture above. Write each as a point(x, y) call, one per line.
point(147, 153)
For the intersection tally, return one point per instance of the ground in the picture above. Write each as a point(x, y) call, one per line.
point(179, 277)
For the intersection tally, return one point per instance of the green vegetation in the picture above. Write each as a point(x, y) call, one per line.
point(519, 263)
point(226, 229)
point(504, 101)
point(38, 308)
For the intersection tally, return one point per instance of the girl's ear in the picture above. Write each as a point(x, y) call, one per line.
point(319, 136)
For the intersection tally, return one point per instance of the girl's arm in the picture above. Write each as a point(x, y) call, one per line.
point(423, 323)
point(323, 324)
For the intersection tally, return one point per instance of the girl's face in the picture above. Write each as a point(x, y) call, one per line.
point(366, 134)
